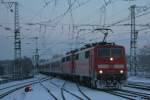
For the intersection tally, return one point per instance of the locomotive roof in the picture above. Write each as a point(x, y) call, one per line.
point(92, 45)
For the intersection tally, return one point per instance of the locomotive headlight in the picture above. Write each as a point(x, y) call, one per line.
point(121, 71)
point(111, 58)
point(101, 72)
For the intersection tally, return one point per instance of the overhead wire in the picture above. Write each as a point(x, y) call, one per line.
point(74, 8)
point(118, 22)
point(61, 16)
point(128, 18)
point(40, 10)
point(111, 25)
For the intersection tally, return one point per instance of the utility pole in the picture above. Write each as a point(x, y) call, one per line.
point(35, 56)
point(133, 43)
point(17, 70)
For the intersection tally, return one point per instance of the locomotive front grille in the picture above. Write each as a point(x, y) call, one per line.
point(111, 77)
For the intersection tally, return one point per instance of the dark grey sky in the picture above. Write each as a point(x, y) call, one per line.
point(56, 34)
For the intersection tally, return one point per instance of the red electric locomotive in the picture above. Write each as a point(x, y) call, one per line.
point(109, 65)
point(99, 65)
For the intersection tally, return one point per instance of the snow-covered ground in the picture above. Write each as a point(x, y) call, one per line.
point(55, 89)
point(22, 81)
point(93, 94)
point(38, 93)
point(99, 95)
point(10, 85)
point(139, 79)
point(54, 85)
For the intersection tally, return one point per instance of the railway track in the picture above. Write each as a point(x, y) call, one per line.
point(48, 90)
point(63, 90)
point(18, 86)
point(67, 91)
point(136, 85)
point(88, 98)
point(71, 93)
point(15, 89)
point(15, 85)
point(130, 95)
point(127, 94)
point(42, 79)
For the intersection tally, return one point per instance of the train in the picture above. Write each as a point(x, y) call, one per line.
point(99, 65)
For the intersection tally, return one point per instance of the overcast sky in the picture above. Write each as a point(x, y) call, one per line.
point(56, 33)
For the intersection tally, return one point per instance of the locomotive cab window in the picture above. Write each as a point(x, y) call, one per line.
point(107, 52)
point(104, 52)
point(116, 52)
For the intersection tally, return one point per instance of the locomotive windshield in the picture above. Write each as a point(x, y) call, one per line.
point(116, 52)
point(104, 52)
point(108, 52)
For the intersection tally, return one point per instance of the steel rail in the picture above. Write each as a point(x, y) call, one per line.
point(88, 98)
point(48, 90)
point(15, 89)
point(19, 87)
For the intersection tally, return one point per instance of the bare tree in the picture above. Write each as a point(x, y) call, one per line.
point(27, 65)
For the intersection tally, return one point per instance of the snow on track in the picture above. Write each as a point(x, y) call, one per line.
point(139, 80)
point(72, 87)
point(56, 86)
point(51, 89)
point(9, 89)
point(92, 94)
point(136, 90)
point(38, 93)
point(99, 95)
